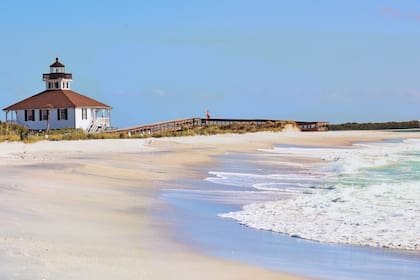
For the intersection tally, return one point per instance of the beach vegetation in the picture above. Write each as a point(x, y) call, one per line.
point(236, 128)
point(14, 132)
point(375, 125)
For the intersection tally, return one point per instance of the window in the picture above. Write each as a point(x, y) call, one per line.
point(84, 113)
point(49, 85)
point(62, 114)
point(43, 115)
point(56, 85)
point(29, 115)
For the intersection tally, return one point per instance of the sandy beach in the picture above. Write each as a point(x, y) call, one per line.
point(84, 209)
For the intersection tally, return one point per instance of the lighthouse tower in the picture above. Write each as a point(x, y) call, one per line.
point(57, 79)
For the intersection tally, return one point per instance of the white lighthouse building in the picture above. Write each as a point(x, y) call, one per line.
point(59, 107)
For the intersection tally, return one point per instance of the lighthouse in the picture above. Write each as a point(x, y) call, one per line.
point(57, 78)
point(59, 107)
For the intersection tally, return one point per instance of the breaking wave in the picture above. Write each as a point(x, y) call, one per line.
point(366, 194)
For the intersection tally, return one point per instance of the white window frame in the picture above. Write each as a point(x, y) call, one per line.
point(62, 114)
point(84, 114)
point(43, 116)
point(30, 115)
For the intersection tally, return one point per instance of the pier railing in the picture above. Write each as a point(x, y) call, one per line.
point(161, 126)
point(177, 125)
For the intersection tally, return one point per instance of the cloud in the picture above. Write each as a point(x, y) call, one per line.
point(416, 16)
point(394, 13)
point(407, 93)
point(390, 12)
point(159, 93)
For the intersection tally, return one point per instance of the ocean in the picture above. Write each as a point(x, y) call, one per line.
point(327, 212)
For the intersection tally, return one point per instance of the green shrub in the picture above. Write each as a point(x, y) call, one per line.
point(12, 132)
point(373, 126)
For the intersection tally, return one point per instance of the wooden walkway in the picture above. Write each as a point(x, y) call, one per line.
point(177, 125)
point(312, 126)
point(161, 126)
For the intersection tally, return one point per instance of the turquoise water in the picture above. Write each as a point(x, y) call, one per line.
point(339, 201)
point(367, 194)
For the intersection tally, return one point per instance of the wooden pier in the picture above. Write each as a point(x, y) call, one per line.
point(312, 126)
point(177, 125)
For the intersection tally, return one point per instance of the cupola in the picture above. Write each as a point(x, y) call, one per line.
point(57, 79)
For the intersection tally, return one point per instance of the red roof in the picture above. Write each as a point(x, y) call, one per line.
point(56, 99)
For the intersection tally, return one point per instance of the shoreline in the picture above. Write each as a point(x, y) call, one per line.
point(85, 213)
point(193, 204)
point(86, 205)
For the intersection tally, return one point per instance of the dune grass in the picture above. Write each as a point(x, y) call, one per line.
point(13, 132)
point(238, 128)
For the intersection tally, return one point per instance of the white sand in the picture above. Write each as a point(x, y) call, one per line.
point(81, 209)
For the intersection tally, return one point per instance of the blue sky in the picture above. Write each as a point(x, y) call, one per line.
point(158, 60)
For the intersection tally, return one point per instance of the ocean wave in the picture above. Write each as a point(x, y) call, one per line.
point(380, 216)
point(367, 194)
point(257, 181)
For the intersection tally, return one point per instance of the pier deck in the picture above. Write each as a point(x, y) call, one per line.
point(176, 125)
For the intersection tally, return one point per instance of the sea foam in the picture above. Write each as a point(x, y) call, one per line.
point(368, 194)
